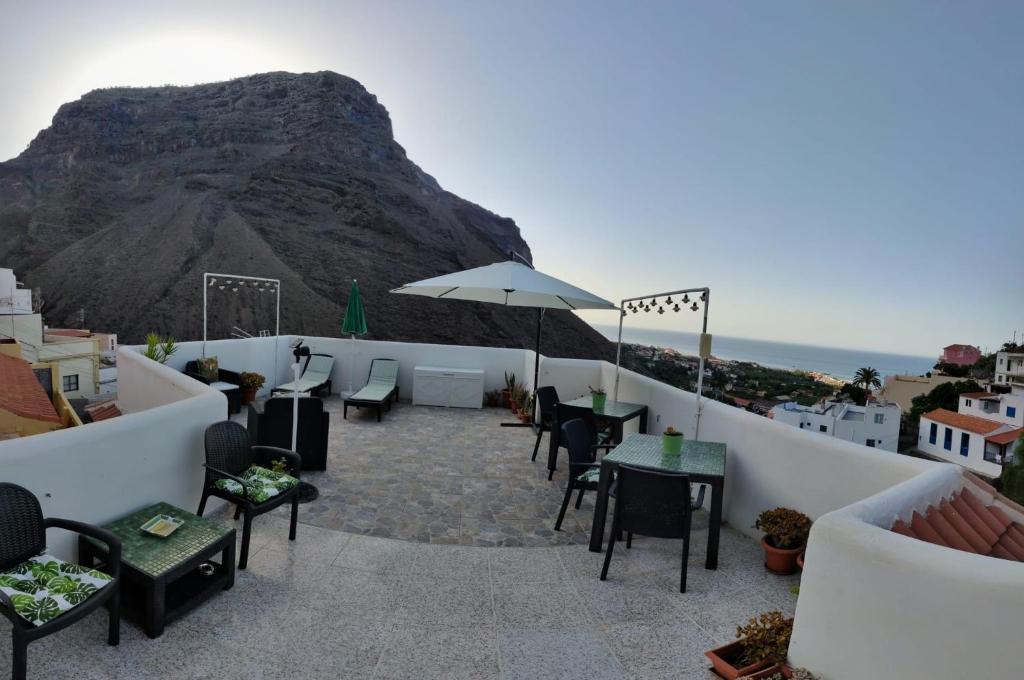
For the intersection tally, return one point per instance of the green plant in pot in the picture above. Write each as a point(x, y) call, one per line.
point(525, 404)
point(671, 441)
point(159, 349)
point(250, 384)
point(762, 642)
point(785, 535)
point(506, 394)
point(599, 397)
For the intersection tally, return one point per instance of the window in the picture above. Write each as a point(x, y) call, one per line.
point(871, 443)
point(967, 402)
point(879, 418)
point(932, 432)
point(947, 439)
point(1011, 411)
point(965, 443)
point(822, 428)
point(70, 383)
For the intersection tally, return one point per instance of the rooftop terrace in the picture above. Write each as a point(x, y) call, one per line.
point(428, 553)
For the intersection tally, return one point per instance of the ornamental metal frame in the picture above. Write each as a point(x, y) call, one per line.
point(704, 301)
point(260, 283)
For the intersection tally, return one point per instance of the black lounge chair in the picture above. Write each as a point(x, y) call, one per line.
point(381, 388)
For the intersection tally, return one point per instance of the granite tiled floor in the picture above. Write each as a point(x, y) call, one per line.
point(338, 605)
point(434, 475)
point(347, 600)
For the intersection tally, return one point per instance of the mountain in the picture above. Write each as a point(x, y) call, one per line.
point(132, 193)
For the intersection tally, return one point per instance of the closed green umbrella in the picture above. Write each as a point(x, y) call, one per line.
point(354, 324)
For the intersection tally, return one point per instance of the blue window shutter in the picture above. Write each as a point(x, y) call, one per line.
point(965, 443)
point(947, 439)
point(1011, 411)
point(932, 432)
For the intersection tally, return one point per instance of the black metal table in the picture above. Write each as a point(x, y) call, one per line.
point(703, 462)
point(160, 578)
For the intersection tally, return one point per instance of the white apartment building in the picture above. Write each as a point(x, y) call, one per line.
point(876, 425)
point(1009, 368)
point(980, 435)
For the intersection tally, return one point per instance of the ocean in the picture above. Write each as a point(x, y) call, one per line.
point(839, 363)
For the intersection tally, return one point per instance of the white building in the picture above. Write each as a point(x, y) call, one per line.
point(1009, 368)
point(876, 425)
point(979, 435)
point(75, 353)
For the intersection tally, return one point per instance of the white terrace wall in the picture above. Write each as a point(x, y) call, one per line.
point(877, 604)
point(101, 471)
point(769, 464)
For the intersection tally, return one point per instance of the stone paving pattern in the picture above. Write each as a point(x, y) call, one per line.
point(340, 604)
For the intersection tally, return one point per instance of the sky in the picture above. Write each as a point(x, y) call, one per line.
point(840, 173)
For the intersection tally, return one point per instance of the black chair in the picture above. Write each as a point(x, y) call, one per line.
point(228, 455)
point(547, 398)
point(652, 503)
point(22, 537)
point(584, 470)
point(270, 424)
point(599, 438)
point(233, 394)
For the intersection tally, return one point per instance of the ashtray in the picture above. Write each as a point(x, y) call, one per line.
point(162, 525)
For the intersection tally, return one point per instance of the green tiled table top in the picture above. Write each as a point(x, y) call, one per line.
point(696, 458)
point(612, 409)
point(155, 556)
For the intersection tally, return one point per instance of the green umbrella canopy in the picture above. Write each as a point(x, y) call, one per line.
point(355, 316)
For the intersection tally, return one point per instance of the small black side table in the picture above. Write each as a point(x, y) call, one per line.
point(160, 579)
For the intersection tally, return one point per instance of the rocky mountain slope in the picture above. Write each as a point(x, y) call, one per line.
point(132, 193)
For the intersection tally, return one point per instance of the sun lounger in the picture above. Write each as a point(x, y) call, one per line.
point(315, 376)
point(381, 388)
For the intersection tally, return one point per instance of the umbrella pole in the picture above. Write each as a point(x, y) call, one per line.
point(536, 365)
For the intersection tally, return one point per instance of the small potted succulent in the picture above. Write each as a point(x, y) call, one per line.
point(525, 412)
point(492, 398)
point(761, 643)
point(600, 398)
point(671, 441)
point(250, 384)
point(785, 536)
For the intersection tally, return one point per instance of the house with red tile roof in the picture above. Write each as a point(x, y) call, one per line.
point(965, 438)
point(25, 408)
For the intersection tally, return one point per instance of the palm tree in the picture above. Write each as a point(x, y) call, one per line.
point(867, 378)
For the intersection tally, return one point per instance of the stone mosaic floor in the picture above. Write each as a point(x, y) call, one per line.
point(436, 475)
point(337, 605)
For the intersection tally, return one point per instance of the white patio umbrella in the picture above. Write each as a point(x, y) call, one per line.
point(510, 283)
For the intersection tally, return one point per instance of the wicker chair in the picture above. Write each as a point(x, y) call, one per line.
point(584, 470)
point(652, 503)
point(599, 438)
point(228, 455)
point(23, 537)
point(547, 398)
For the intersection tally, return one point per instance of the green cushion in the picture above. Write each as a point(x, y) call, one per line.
point(373, 393)
point(591, 475)
point(44, 587)
point(261, 484)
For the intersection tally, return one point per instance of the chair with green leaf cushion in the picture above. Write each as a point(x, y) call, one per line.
point(42, 594)
point(243, 474)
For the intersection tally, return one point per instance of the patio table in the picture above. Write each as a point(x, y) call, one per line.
point(160, 578)
point(703, 462)
point(618, 412)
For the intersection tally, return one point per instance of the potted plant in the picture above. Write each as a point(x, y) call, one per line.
point(506, 393)
point(492, 398)
point(525, 412)
point(762, 642)
point(781, 671)
point(785, 537)
point(671, 441)
point(250, 384)
point(600, 398)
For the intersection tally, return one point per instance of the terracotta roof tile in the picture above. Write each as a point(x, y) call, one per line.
point(962, 421)
point(1007, 437)
point(21, 393)
point(103, 411)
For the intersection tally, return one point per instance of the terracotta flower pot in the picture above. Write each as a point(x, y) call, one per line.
point(248, 395)
point(786, 671)
point(723, 659)
point(800, 561)
point(778, 560)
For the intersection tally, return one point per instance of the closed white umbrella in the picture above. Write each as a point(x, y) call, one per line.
point(511, 283)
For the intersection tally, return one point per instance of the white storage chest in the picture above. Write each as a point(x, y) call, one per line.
point(461, 387)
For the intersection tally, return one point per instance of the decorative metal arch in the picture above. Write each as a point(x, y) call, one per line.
point(234, 281)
